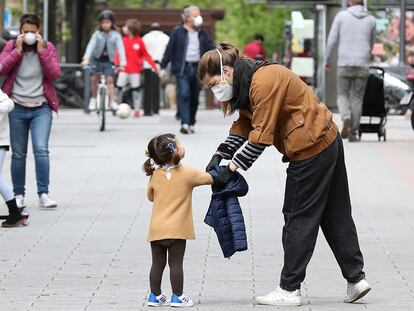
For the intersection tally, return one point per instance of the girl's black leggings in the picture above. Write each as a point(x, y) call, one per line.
point(176, 250)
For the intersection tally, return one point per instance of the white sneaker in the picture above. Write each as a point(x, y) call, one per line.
point(20, 201)
point(114, 106)
point(92, 104)
point(356, 291)
point(192, 129)
point(281, 297)
point(181, 301)
point(46, 201)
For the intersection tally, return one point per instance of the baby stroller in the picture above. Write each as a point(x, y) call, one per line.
point(373, 105)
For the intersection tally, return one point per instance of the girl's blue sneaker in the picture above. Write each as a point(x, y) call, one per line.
point(181, 301)
point(157, 301)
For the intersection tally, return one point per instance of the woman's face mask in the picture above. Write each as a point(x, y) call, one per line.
point(223, 91)
point(29, 38)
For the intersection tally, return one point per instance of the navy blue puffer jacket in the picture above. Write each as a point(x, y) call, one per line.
point(225, 214)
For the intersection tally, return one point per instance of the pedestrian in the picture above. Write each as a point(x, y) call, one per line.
point(277, 108)
point(255, 49)
point(354, 30)
point(15, 217)
point(188, 42)
point(135, 52)
point(30, 64)
point(170, 189)
point(156, 42)
point(100, 53)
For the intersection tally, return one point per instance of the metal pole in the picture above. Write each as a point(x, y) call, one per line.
point(344, 4)
point(402, 32)
point(24, 6)
point(45, 19)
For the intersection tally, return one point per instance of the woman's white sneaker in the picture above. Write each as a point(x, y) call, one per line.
point(20, 201)
point(181, 301)
point(356, 291)
point(46, 202)
point(281, 297)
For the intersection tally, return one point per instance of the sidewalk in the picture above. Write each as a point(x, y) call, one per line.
point(91, 252)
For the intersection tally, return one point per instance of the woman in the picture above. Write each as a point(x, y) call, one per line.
point(30, 64)
point(277, 108)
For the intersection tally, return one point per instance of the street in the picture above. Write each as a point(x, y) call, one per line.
point(91, 252)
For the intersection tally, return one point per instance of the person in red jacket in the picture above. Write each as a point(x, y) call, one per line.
point(135, 52)
point(254, 49)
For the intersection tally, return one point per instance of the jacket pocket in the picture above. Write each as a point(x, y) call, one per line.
point(296, 135)
point(294, 122)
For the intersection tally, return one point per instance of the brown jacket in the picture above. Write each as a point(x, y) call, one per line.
point(172, 214)
point(285, 113)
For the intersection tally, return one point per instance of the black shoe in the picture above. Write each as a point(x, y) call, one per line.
point(13, 220)
point(353, 138)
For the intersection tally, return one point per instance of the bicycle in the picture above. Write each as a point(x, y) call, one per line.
point(102, 101)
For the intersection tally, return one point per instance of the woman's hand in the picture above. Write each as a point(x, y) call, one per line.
point(40, 42)
point(225, 176)
point(19, 43)
point(215, 161)
point(233, 167)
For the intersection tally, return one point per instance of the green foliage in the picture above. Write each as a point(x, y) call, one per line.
point(241, 22)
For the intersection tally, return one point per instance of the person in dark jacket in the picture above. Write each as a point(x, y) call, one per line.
point(277, 108)
point(225, 214)
point(188, 42)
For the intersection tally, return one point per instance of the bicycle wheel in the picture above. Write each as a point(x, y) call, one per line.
point(102, 109)
point(412, 118)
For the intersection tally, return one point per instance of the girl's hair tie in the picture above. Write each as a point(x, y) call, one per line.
point(147, 154)
point(171, 147)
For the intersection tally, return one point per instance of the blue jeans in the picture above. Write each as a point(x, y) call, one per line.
point(188, 90)
point(105, 67)
point(39, 122)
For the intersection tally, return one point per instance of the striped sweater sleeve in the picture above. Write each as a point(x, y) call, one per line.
point(248, 155)
point(230, 146)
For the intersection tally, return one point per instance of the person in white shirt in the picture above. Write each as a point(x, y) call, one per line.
point(155, 41)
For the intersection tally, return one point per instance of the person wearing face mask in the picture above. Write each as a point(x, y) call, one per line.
point(30, 64)
point(277, 108)
point(188, 43)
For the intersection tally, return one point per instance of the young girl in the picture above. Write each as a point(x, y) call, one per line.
point(101, 53)
point(135, 52)
point(15, 218)
point(170, 189)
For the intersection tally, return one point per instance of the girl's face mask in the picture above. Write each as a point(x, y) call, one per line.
point(223, 91)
